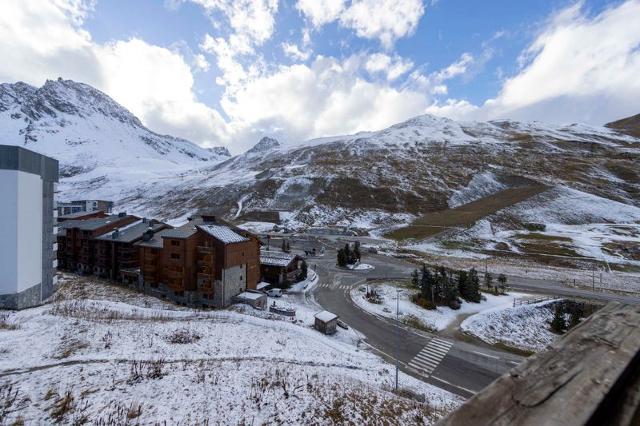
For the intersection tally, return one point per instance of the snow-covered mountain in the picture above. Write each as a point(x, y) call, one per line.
point(368, 179)
point(98, 142)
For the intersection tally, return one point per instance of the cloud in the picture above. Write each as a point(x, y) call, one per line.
point(326, 97)
point(578, 68)
point(321, 12)
point(392, 67)
point(385, 20)
point(45, 40)
point(294, 52)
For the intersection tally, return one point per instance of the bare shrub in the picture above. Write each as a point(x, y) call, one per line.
point(6, 325)
point(62, 406)
point(183, 336)
point(134, 411)
point(140, 370)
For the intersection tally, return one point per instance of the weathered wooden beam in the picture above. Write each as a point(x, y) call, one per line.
point(590, 376)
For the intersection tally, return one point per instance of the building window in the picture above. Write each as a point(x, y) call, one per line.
point(175, 255)
point(175, 243)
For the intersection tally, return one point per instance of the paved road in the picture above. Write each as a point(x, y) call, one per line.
point(461, 367)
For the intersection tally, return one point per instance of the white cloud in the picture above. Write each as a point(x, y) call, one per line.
point(321, 12)
point(385, 20)
point(323, 98)
point(44, 40)
point(392, 67)
point(578, 68)
point(200, 62)
point(294, 52)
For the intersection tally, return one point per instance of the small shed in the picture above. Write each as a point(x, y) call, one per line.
point(257, 300)
point(326, 322)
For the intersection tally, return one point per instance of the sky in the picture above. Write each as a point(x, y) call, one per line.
point(228, 72)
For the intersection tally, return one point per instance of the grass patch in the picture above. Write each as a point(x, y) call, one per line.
point(415, 322)
point(465, 215)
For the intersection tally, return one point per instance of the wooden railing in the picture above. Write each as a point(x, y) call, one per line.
point(591, 376)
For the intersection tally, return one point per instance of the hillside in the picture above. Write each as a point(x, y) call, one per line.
point(467, 185)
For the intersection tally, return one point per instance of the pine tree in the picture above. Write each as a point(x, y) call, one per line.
point(426, 284)
point(463, 285)
point(488, 280)
point(347, 253)
point(356, 251)
point(474, 286)
point(558, 324)
point(304, 269)
point(342, 258)
point(415, 279)
point(502, 280)
point(284, 245)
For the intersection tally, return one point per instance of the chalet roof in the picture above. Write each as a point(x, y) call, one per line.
point(79, 214)
point(223, 233)
point(131, 232)
point(326, 316)
point(92, 224)
point(276, 258)
point(156, 239)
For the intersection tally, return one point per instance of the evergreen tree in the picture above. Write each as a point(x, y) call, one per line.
point(426, 284)
point(576, 313)
point(342, 258)
point(356, 251)
point(474, 286)
point(464, 285)
point(502, 283)
point(347, 253)
point(558, 324)
point(304, 269)
point(488, 280)
point(415, 279)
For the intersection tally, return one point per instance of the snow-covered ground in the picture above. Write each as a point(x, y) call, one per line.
point(436, 319)
point(104, 355)
point(361, 267)
point(305, 285)
point(523, 327)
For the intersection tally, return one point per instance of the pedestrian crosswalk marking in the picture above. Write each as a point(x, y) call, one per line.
point(430, 356)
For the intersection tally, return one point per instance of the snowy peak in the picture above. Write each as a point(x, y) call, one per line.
point(219, 152)
point(265, 144)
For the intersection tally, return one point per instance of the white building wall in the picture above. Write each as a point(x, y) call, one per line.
point(8, 231)
point(20, 258)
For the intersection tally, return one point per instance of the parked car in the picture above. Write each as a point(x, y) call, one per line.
point(274, 292)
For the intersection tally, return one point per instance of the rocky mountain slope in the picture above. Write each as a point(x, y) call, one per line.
point(487, 179)
point(96, 140)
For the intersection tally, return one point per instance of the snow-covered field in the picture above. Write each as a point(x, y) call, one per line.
point(437, 319)
point(104, 355)
point(524, 327)
point(258, 227)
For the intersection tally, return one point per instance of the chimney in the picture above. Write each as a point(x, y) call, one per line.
point(122, 214)
point(115, 234)
point(144, 220)
point(147, 235)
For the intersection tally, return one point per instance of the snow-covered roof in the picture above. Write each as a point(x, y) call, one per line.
point(276, 258)
point(326, 316)
point(262, 285)
point(247, 295)
point(223, 233)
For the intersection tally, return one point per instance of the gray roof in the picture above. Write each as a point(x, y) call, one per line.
point(155, 241)
point(78, 214)
point(182, 232)
point(92, 224)
point(276, 258)
point(132, 232)
point(223, 233)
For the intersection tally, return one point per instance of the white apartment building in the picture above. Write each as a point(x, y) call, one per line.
point(27, 234)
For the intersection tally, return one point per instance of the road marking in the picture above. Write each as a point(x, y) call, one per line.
point(430, 356)
point(513, 363)
point(487, 355)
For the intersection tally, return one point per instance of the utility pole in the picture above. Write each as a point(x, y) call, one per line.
point(398, 333)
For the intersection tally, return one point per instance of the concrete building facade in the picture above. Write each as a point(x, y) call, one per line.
point(27, 235)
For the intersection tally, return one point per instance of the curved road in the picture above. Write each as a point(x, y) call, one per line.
point(461, 367)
